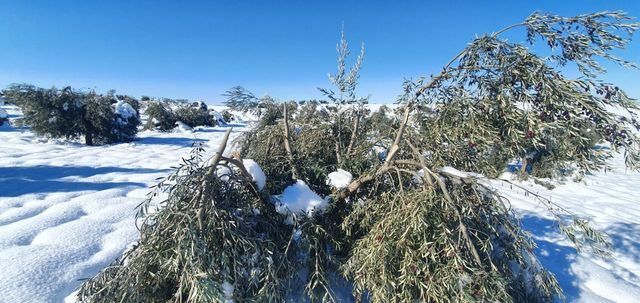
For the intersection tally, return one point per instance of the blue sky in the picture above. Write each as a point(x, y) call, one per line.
point(198, 49)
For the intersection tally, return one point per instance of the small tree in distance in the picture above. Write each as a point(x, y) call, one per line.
point(240, 99)
point(159, 116)
point(67, 113)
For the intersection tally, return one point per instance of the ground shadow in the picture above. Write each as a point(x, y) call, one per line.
point(12, 128)
point(220, 129)
point(235, 125)
point(179, 141)
point(16, 181)
point(209, 130)
point(625, 239)
point(554, 257)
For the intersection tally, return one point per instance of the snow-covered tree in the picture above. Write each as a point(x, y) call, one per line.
point(70, 114)
point(159, 116)
point(165, 114)
point(398, 207)
point(195, 114)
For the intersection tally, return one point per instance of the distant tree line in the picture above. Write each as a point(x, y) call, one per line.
point(102, 118)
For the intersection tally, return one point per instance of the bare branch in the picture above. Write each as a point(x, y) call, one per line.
point(287, 146)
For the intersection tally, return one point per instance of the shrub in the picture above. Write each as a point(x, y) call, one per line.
point(126, 118)
point(159, 116)
point(196, 114)
point(228, 116)
point(69, 114)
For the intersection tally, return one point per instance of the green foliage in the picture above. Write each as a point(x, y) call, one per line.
point(345, 80)
point(49, 112)
point(162, 117)
point(209, 231)
point(240, 99)
point(413, 248)
point(196, 114)
point(498, 101)
point(69, 114)
point(159, 116)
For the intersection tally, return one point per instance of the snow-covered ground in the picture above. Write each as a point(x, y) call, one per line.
point(67, 211)
point(611, 201)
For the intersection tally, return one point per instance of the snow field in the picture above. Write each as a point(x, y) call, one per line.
point(68, 210)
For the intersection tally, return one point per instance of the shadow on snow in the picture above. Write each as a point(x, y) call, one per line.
point(553, 256)
point(625, 241)
point(16, 181)
point(179, 141)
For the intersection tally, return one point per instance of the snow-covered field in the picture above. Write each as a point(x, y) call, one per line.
point(68, 210)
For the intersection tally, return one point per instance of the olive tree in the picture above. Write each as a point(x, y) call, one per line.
point(418, 220)
point(70, 114)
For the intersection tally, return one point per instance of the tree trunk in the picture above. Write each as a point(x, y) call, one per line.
point(88, 138)
point(354, 134)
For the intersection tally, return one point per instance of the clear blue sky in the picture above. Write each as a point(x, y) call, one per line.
point(198, 49)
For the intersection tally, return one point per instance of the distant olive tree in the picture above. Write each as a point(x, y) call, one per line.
point(159, 116)
point(240, 99)
point(70, 114)
point(195, 114)
point(164, 114)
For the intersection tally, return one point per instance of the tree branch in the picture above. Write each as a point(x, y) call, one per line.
point(396, 143)
point(212, 163)
point(287, 145)
point(354, 134)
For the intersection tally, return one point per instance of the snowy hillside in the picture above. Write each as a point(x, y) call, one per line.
point(67, 211)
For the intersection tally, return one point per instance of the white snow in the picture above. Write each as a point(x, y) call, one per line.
point(299, 198)
point(339, 178)
point(182, 128)
point(124, 109)
point(217, 116)
point(227, 290)
point(223, 172)
point(3, 114)
point(256, 172)
point(454, 174)
point(417, 179)
point(611, 202)
point(450, 171)
point(68, 210)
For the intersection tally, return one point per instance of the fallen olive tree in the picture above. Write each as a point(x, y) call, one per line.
point(412, 215)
